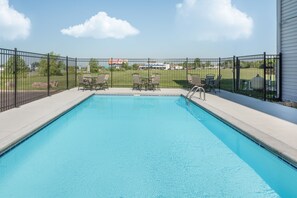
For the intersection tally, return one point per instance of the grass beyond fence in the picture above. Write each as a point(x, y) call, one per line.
point(169, 78)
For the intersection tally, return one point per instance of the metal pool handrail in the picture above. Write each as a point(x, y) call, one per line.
point(194, 90)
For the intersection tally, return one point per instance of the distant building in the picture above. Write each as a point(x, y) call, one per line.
point(162, 66)
point(178, 67)
point(117, 61)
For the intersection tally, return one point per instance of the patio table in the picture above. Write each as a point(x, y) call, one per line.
point(146, 81)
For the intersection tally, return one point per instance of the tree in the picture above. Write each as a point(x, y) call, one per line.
point(207, 64)
point(125, 65)
point(245, 64)
point(56, 65)
point(42, 69)
point(135, 66)
point(34, 66)
point(71, 69)
point(185, 64)
point(94, 65)
point(227, 64)
point(21, 65)
point(197, 62)
point(271, 62)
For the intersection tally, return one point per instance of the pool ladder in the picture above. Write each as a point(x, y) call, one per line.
point(194, 90)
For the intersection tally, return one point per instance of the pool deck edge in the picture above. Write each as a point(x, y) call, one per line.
point(270, 143)
point(12, 134)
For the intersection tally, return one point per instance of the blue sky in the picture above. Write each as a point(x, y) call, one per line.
point(139, 28)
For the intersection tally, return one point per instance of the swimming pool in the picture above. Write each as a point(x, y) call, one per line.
point(125, 146)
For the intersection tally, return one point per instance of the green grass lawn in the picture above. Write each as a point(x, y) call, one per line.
point(25, 82)
point(169, 78)
point(178, 78)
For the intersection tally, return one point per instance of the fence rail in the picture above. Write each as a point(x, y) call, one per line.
point(27, 76)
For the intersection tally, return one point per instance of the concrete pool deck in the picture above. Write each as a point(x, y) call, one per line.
point(276, 134)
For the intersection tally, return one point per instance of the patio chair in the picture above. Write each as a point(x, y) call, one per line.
point(196, 81)
point(214, 84)
point(190, 79)
point(154, 82)
point(106, 77)
point(137, 82)
point(100, 82)
point(83, 83)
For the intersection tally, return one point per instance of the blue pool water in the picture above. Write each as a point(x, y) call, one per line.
point(125, 146)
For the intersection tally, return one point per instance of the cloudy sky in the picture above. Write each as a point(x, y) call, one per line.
point(139, 28)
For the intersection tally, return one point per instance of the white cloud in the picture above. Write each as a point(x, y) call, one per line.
point(211, 20)
point(13, 24)
point(102, 26)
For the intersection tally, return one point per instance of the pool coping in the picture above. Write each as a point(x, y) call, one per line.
point(271, 144)
point(31, 129)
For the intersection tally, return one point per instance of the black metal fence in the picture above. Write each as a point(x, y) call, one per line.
point(27, 76)
point(265, 72)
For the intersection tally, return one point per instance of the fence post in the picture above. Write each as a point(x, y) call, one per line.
point(234, 65)
point(48, 74)
point(111, 59)
point(220, 73)
point(187, 72)
point(264, 66)
point(148, 68)
point(75, 72)
point(237, 73)
point(15, 76)
point(280, 78)
point(67, 74)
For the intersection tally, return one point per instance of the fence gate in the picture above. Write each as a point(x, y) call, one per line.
point(257, 76)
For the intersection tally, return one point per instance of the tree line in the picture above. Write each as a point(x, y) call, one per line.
point(56, 65)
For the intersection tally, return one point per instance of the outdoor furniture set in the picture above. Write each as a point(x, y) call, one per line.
point(88, 82)
point(148, 83)
point(209, 83)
